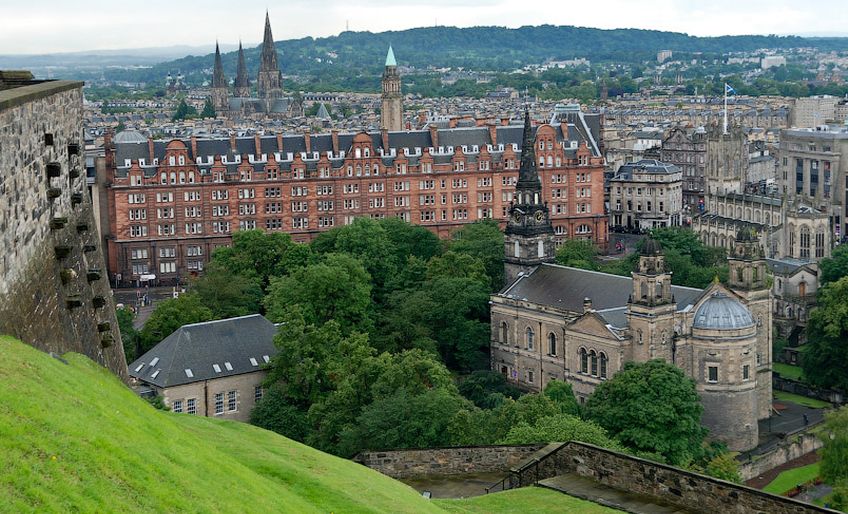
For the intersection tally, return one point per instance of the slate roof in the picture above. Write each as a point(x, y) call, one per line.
point(787, 266)
point(200, 346)
point(565, 288)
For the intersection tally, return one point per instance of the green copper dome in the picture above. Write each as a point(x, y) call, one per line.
point(390, 57)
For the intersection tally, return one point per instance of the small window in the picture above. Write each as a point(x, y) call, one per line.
point(177, 406)
point(257, 393)
point(154, 362)
point(746, 372)
point(266, 359)
point(228, 366)
point(530, 377)
point(231, 400)
point(189, 373)
point(712, 374)
point(253, 361)
point(191, 406)
point(217, 368)
point(138, 368)
point(219, 403)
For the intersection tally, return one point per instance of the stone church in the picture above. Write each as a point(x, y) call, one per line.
point(553, 322)
point(269, 102)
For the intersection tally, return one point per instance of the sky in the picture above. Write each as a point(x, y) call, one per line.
point(51, 26)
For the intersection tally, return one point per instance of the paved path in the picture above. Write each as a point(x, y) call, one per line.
point(586, 489)
point(455, 486)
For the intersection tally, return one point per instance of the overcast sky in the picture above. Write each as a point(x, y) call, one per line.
point(48, 26)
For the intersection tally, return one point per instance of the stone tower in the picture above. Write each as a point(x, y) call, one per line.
point(650, 310)
point(529, 235)
point(269, 82)
point(242, 85)
point(219, 83)
point(726, 161)
point(391, 112)
point(748, 280)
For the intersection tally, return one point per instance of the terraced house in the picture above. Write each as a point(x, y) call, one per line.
point(170, 203)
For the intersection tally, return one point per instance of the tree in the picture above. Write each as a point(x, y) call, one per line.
point(484, 240)
point(276, 413)
point(408, 240)
point(651, 407)
point(834, 267)
point(825, 362)
point(578, 253)
point(335, 289)
point(184, 111)
point(834, 454)
point(559, 428)
point(171, 315)
point(129, 335)
point(724, 466)
point(262, 255)
point(208, 110)
point(227, 294)
point(487, 389)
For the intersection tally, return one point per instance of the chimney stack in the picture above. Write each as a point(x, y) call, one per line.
point(434, 135)
point(587, 304)
point(257, 141)
point(384, 134)
point(150, 152)
point(334, 136)
point(493, 133)
point(307, 140)
point(280, 142)
point(233, 142)
point(194, 147)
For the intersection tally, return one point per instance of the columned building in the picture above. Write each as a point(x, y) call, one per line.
point(559, 323)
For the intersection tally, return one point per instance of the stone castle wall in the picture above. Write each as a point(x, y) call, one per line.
point(54, 294)
point(446, 461)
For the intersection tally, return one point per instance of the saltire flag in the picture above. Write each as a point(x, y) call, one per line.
point(728, 90)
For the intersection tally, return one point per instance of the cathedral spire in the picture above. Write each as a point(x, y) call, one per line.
point(268, 59)
point(269, 81)
point(242, 82)
point(219, 80)
point(528, 177)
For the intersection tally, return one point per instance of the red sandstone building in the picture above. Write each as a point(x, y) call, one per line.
point(169, 204)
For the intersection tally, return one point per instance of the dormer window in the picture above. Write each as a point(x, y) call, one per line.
point(357, 153)
point(172, 160)
point(367, 152)
point(182, 160)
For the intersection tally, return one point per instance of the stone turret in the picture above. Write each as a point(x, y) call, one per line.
point(219, 83)
point(269, 82)
point(528, 237)
point(242, 85)
point(391, 113)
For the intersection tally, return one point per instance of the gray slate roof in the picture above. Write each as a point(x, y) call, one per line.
point(565, 288)
point(200, 346)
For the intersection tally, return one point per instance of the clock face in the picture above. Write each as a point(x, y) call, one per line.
point(540, 216)
point(516, 216)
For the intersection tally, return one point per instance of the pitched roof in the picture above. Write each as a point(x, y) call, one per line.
point(565, 288)
point(192, 352)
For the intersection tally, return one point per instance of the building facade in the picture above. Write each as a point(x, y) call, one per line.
point(213, 369)
point(170, 203)
point(645, 195)
point(560, 323)
point(687, 149)
point(391, 110)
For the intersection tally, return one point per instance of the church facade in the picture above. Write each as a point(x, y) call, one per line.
point(269, 100)
point(553, 322)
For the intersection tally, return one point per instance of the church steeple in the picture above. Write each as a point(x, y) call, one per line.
point(391, 112)
point(269, 82)
point(242, 85)
point(219, 83)
point(529, 235)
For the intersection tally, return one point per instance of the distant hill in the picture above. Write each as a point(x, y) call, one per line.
point(490, 48)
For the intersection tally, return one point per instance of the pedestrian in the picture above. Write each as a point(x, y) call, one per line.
point(806, 420)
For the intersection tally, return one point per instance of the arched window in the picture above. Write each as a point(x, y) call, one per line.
point(516, 249)
point(552, 344)
point(529, 338)
point(603, 359)
point(659, 290)
point(584, 361)
point(644, 291)
point(504, 332)
point(593, 358)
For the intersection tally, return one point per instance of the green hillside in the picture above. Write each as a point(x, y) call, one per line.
point(72, 438)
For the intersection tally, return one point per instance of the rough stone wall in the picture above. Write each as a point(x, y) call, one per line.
point(204, 394)
point(54, 292)
point(446, 461)
point(790, 449)
point(691, 491)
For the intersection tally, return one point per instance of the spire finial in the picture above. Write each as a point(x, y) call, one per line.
point(390, 57)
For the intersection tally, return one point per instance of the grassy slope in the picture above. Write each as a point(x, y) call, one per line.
point(73, 439)
point(792, 477)
point(788, 370)
point(801, 400)
point(522, 501)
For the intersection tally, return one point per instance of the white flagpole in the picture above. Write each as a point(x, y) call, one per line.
point(725, 108)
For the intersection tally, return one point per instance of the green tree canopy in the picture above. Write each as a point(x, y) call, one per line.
point(834, 267)
point(560, 428)
point(169, 316)
point(129, 335)
point(184, 111)
point(825, 362)
point(262, 255)
point(578, 253)
point(651, 407)
point(484, 240)
point(208, 110)
point(335, 289)
point(227, 294)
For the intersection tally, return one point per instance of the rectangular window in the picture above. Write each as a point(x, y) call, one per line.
point(231, 400)
point(712, 374)
point(177, 406)
point(746, 371)
point(219, 403)
point(191, 406)
point(257, 393)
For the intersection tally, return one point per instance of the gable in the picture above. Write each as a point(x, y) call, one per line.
point(591, 324)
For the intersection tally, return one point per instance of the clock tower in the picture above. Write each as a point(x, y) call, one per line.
point(529, 236)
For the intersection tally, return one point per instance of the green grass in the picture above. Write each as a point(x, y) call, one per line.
point(74, 439)
point(789, 371)
point(792, 477)
point(522, 501)
point(801, 400)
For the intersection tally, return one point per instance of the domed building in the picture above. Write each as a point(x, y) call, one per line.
point(554, 322)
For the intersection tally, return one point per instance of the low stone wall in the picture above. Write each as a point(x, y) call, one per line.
point(446, 461)
point(793, 447)
point(800, 388)
point(691, 491)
